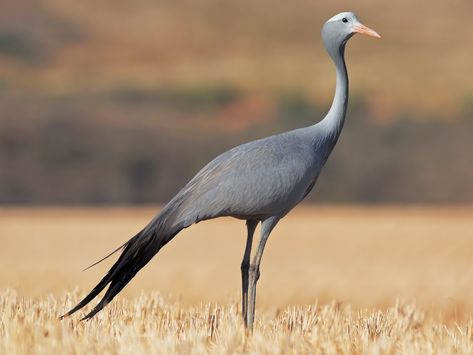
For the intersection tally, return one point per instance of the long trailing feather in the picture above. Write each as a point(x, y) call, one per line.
point(137, 252)
point(106, 257)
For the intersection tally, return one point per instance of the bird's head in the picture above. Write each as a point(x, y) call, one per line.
point(340, 28)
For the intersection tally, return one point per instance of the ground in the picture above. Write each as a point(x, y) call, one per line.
point(334, 279)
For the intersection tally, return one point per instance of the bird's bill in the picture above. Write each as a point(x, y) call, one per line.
point(360, 28)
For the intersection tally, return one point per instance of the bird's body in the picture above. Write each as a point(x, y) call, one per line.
point(260, 182)
point(264, 178)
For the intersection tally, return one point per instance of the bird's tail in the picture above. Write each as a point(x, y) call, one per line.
point(137, 252)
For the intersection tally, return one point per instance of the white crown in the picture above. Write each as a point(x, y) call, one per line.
point(340, 16)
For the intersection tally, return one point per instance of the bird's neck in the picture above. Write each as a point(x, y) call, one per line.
point(332, 124)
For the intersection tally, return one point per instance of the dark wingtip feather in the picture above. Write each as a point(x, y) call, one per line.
point(104, 282)
point(94, 311)
point(92, 294)
point(138, 251)
point(127, 269)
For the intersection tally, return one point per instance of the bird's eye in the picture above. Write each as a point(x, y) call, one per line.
point(344, 20)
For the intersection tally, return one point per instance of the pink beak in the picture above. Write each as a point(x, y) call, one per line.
point(365, 30)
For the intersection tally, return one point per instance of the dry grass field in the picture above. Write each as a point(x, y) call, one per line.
point(352, 280)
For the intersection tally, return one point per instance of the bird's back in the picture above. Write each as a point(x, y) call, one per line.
point(262, 178)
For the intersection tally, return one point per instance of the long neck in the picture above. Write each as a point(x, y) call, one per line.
point(333, 121)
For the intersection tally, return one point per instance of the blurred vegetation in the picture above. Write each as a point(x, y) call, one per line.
point(142, 152)
point(19, 47)
point(120, 102)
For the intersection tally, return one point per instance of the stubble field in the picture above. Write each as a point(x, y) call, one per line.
point(334, 280)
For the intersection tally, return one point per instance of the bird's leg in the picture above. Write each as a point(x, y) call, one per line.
point(245, 266)
point(266, 227)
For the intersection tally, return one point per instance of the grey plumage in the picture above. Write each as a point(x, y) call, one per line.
point(260, 181)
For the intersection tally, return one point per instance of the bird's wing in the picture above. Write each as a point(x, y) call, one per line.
point(264, 177)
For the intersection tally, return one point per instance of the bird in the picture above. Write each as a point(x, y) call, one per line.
point(258, 182)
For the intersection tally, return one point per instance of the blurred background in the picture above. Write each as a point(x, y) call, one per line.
point(121, 102)
point(116, 104)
